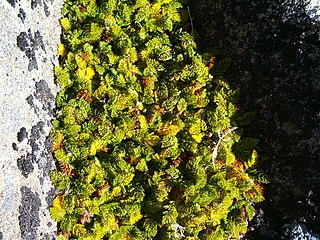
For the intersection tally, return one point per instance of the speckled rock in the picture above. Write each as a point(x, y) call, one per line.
point(313, 9)
point(300, 232)
point(275, 52)
point(30, 35)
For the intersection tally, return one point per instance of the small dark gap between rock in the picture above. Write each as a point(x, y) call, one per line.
point(45, 96)
point(36, 132)
point(25, 164)
point(38, 40)
point(47, 154)
point(48, 144)
point(29, 219)
point(12, 2)
point(22, 134)
point(51, 194)
point(32, 60)
point(30, 101)
point(46, 9)
point(48, 237)
point(22, 41)
point(15, 146)
point(22, 15)
point(29, 43)
point(35, 3)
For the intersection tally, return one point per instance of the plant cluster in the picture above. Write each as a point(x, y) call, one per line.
point(145, 138)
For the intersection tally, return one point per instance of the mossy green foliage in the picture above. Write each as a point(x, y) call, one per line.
point(139, 119)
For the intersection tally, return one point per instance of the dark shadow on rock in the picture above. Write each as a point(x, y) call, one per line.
point(275, 51)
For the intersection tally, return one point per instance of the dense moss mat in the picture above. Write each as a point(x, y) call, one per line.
point(148, 142)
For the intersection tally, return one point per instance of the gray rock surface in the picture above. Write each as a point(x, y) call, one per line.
point(30, 33)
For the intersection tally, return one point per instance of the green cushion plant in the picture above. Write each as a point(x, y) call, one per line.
point(146, 139)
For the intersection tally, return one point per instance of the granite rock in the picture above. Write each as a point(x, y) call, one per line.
point(31, 33)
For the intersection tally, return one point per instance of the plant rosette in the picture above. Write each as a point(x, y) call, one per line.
point(148, 143)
